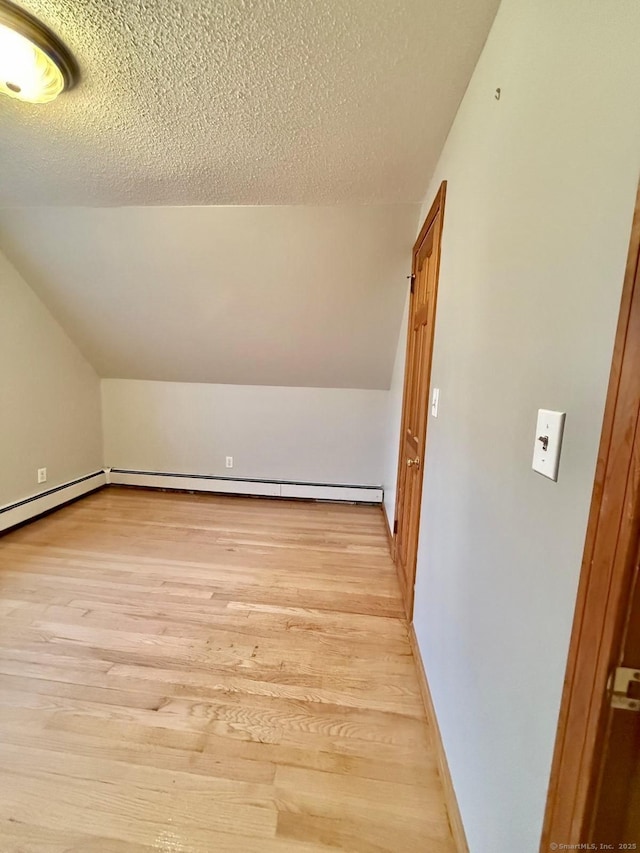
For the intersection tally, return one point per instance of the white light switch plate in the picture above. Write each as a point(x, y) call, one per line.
point(435, 400)
point(548, 443)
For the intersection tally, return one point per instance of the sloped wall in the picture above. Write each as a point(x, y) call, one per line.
point(49, 397)
point(304, 296)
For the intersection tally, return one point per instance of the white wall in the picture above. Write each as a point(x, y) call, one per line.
point(537, 222)
point(317, 435)
point(49, 397)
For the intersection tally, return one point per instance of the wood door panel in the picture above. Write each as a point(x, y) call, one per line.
point(616, 813)
point(426, 260)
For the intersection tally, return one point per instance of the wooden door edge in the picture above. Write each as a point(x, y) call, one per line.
point(451, 801)
point(437, 206)
point(579, 734)
point(387, 527)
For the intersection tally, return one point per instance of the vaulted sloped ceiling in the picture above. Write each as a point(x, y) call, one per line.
point(334, 111)
point(285, 295)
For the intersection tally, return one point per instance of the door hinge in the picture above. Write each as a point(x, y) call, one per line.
point(623, 677)
point(395, 527)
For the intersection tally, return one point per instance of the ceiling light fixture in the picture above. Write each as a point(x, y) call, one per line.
point(35, 66)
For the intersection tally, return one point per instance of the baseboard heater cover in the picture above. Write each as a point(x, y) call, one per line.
point(230, 486)
point(28, 508)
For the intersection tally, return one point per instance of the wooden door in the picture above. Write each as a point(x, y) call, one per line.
point(413, 435)
point(594, 790)
point(616, 813)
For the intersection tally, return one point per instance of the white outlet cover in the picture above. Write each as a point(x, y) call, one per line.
point(229, 462)
point(42, 475)
point(546, 454)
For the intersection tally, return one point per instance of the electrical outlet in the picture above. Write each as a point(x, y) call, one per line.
point(42, 475)
point(229, 462)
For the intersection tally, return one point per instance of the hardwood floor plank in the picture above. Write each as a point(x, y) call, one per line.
point(364, 836)
point(203, 673)
point(19, 837)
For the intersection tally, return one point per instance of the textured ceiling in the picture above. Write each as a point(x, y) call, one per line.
point(243, 102)
point(308, 296)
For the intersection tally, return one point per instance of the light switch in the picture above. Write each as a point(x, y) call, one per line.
point(435, 399)
point(548, 443)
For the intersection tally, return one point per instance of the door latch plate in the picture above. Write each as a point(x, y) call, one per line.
point(623, 678)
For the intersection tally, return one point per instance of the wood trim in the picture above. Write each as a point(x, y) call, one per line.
point(438, 204)
point(389, 533)
point(455, 819)
point(607, 570)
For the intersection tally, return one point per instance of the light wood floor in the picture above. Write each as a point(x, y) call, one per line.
point(199, 674)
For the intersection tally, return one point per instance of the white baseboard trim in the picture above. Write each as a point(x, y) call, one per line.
point(229, 486)
point(28, 508)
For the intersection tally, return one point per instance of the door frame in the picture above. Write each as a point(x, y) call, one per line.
point(437, 206)
point(608, 567)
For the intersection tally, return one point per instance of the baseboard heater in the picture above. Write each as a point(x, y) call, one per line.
point(231, 486)
point(35, 505)
point(31, 507)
